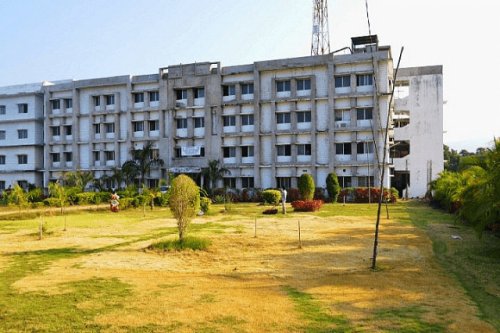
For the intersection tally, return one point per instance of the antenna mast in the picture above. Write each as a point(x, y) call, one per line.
point(320, 33)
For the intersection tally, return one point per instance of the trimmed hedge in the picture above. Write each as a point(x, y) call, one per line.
point(271, 197)
point(307, 205)
point(306, 186)
point(205, 204)
point(363, 194)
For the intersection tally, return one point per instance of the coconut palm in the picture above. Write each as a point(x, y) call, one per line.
point(213, 172)
point(141, 163)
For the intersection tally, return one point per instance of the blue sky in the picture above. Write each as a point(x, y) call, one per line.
point(69, 39)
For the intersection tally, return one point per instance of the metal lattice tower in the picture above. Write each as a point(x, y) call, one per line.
point(320, 33)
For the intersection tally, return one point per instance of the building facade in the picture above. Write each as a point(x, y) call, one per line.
point(267, 122)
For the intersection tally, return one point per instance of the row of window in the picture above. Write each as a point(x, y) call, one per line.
point(56, 103)
point(345, 148)
point(361, 114)
point(21, 134)
point(21, 159)
point(138, 97)
point(21, 108)
point(342, 81)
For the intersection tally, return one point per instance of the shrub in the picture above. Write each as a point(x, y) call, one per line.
point(270, 211)
point(35, 195)
point(219, 199)
point(319, 194)
point(307, 205)
point(52, 202)
point(332, 186)
point(293, 194)
point(86, 198)
point(192, 243)
point(365, 195)
point(306, 186)
point(205, 204)
point(271, 197)
point(162, 199)
point(126, 203)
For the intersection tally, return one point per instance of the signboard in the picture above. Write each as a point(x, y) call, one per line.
point(191, 151)
point(185, 170)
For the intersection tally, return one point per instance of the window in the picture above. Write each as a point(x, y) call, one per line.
point(68, 130)
point(304, 116)
point(247, 119)
point(364, 80)
point(55, 130)
point(229, 90)
point(345, 181)
point(229, 120)
point(97, 100)
point(343, 115)
point(181, 94)
point(247, 182)
point(230, 182)
point(284, 150)
point(304, 84)
point(365, 181)
point(282, 86)
point(304, 149)
point(97, 155)
point(56, 104)
point(199, 92)
point(55, 157)
point(97, 128)
point(2, 135)
point(247, 151)
point(2, 109)
point(343, 148)
point(68, 156)
point(22, 159)
point(199, 122)
point(138, 126)
point(22, 108)
point(178, 153)
point(2, 159)
point(109, 155)
point(110, 99)
point(154, 125)
point(228, 152)
point(283, 118)
point(154, 96)
point(283, 182)
point(2, 185)
point(247, 88)
point(365, 147)
point(154, 154)
point(182, 123)
point(365, 113)
point(110, 127)
point(68, 103)
point(22, 134)
point(138, 97)
point(342, 81)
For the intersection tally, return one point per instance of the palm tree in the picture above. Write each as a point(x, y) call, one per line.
point(214, 172)
point(118, 176)
point(141, 163)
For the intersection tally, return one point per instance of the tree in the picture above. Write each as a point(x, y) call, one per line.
point(142, 161)
point(306, 186)
point(19, 197)
point(333, 186)
point(78, 179)
point(184, 202)
point(451, 158)
point(118, 176)
point(213, 173)
point(58, 192)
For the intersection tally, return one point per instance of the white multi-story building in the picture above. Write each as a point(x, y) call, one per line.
point(21, 135)
point(267, 122)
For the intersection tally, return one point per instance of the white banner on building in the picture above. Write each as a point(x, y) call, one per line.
point(191, 151)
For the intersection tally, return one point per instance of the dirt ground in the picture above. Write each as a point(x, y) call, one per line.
point(238, 284)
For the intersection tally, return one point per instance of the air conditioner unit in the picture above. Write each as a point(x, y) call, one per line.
point(342, 124)
point(180, 104)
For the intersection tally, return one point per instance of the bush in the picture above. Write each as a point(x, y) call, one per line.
point(306, 186)
point(126, 203)
point(270, 211)
point(184, 202)
point(192, 243)
point(307, 205)
point(35, 195)
point(332, 186)
point(52, 202)
point(365, 195)
point(271, 197)
point(219, 199)
point(86, 198)
point(205, 204)
point(293, 194)
point(319, 194)
point(162, 199)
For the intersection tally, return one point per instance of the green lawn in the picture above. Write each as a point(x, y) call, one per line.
point(85, 304)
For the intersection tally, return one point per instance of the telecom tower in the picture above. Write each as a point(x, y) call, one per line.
point(320, 33)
